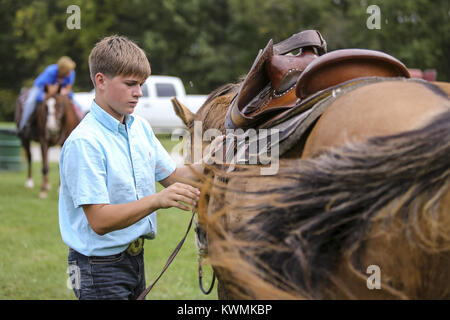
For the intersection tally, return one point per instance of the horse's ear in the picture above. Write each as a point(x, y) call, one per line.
point(183, 112)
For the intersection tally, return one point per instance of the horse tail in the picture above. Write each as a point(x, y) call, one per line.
point(323, 208)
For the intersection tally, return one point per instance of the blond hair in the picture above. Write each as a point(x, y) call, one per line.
point(65, 65)
point(118, 55)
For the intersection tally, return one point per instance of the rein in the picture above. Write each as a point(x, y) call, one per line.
point(169, 261)
point(200, 279)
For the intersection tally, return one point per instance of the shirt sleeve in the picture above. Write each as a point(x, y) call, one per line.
point(84, 171)
point(69, 80)
point(48, 76)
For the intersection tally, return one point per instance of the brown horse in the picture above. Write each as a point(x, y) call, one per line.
point(371, 191)
point(51, 123)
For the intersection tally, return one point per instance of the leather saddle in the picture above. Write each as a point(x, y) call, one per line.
point(269, 85)
point(285, 82)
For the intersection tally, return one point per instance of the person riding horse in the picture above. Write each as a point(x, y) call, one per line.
point(59, 76)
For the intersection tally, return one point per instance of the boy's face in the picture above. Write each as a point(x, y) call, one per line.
point(118, 95)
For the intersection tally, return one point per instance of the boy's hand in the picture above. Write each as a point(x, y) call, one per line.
point(65, 91)
point(175, 194)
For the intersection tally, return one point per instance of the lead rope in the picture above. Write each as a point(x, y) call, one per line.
point(169, 261)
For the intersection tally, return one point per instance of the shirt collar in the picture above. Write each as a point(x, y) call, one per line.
point(107, 120)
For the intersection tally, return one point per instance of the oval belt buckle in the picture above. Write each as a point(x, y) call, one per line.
point(135, 247)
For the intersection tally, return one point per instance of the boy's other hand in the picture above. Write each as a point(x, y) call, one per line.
point(177, 195)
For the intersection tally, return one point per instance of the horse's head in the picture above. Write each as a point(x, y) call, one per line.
point(278, 78)
point(57, 118)
point(55, 110)
point(209, 121)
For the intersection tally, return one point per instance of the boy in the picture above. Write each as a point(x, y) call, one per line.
point(108, 168)
point(60, 74)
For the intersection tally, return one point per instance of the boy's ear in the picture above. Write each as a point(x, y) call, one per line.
point(100, 80)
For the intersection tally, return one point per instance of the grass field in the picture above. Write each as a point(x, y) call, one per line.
point(33, 258)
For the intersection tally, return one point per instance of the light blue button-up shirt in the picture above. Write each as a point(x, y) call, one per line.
point(106, 162)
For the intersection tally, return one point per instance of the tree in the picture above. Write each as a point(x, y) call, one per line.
point(209, 43)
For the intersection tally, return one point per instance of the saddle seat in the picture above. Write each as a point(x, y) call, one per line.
point(329, 72)
point(342, 65)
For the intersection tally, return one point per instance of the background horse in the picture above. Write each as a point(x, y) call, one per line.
point(51, 123)
point(371, 188)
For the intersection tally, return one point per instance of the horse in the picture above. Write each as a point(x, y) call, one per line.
point(368, 189)
point(51, 123)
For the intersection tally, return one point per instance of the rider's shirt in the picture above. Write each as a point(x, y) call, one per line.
point(50, 76)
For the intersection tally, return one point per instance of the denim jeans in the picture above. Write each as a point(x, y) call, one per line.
point(29, 106)
point(116, 277)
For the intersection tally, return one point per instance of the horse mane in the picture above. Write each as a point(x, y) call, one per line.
point(320, 211)
point(213, 111)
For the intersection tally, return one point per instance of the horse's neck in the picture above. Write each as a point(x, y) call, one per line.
point(70, 120)
point(71, 117)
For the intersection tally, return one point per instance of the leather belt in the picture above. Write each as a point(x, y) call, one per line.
point(136, 247)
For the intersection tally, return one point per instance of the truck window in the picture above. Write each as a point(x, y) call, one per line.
point(165, 90)
point(145, 90)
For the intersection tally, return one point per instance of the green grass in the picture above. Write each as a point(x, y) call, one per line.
point(7, 125)
point(33, 258)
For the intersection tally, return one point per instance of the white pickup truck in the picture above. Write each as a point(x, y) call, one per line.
point(155, 105)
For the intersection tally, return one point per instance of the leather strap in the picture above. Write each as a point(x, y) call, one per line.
point(169, 261)
point(307, 38)
point(200, 279)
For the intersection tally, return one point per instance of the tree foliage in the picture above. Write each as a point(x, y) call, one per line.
point(208, 43)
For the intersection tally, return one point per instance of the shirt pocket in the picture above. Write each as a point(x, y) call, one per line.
point(121, 184)
point(148, 157)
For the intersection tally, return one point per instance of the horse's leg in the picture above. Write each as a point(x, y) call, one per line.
point(26, 145)
point(45, 183)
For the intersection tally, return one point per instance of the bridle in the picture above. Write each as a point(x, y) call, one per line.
point(54, 107)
